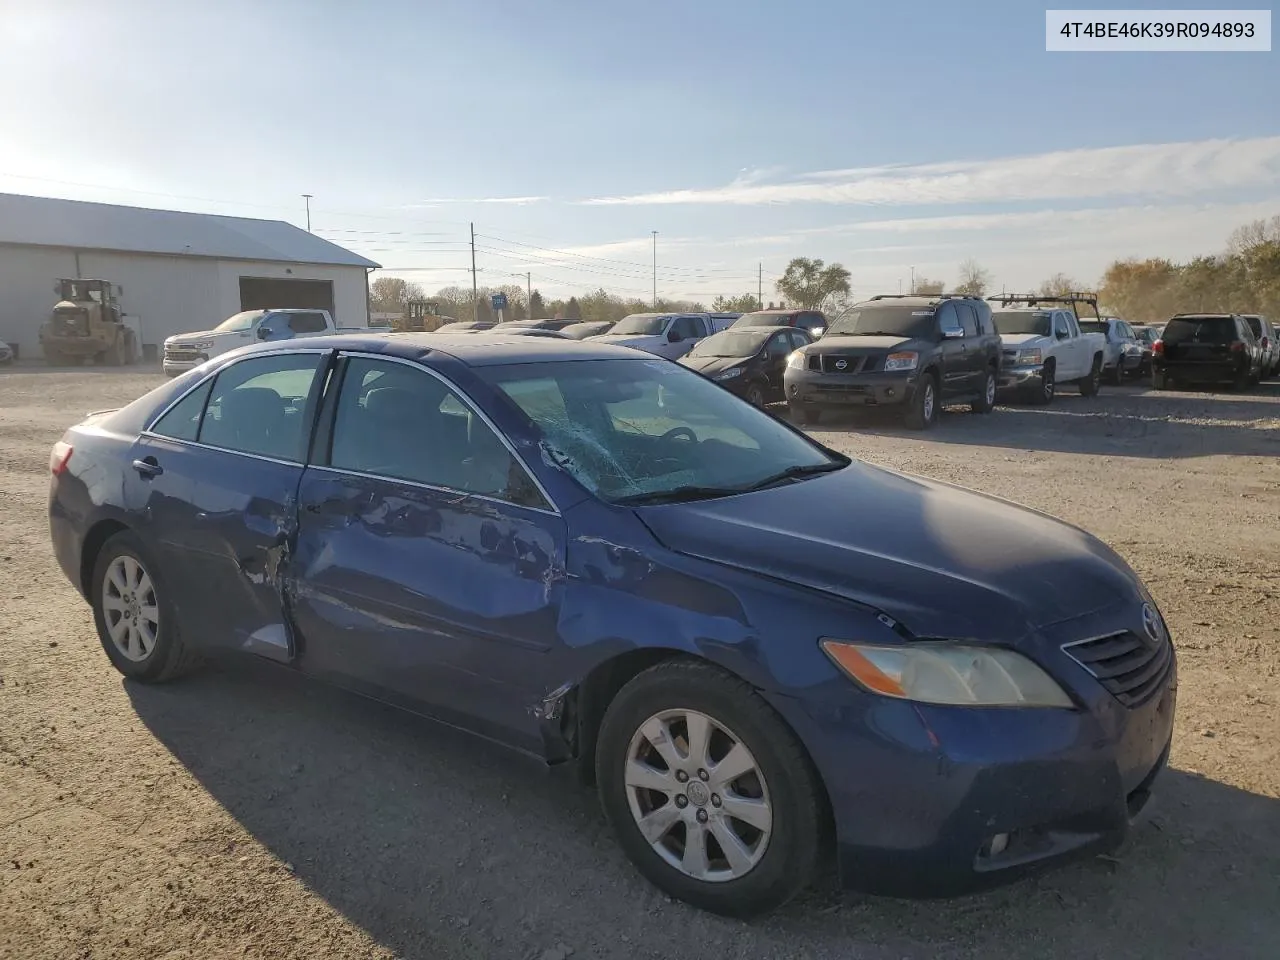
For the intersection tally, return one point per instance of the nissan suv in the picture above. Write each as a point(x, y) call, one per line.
point(913, 353)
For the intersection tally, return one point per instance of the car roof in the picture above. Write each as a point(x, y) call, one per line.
point(472, 350)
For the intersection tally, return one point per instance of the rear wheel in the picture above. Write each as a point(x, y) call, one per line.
point(987, 401)
point(922, 412)
point(1243, 382)
point(136, 620)
point(711, 795)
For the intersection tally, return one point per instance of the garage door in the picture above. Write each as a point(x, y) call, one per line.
point(257, 293)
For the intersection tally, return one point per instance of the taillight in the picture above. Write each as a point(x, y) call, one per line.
point(1158, 348)
point(1238, 347)
point(59, 458)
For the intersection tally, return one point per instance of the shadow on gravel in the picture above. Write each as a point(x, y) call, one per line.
point(1123, 421)
point(440, 845)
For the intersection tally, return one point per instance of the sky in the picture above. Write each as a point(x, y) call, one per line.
point(895, 139)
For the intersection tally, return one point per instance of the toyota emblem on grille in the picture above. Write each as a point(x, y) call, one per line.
point(1151, 623)
point(841, 364)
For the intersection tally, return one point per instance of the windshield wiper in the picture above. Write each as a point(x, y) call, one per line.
point(682, 494)
point(798, 473)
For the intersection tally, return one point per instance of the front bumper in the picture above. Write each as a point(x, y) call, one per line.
point(919, 792)
point(175, 364)
point(1018, 377)
point(814, 389)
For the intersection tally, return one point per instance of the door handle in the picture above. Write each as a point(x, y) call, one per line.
point(148, 468)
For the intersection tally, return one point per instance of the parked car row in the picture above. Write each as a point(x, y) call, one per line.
point(1200, 348)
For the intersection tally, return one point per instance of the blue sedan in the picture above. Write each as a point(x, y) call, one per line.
point(765, 655)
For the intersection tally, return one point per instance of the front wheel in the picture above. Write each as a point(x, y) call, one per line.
point(986, 403)
point(1048, 386)
point(1089, 385)
point(710, 794)
point(136, 620)
point(922, 412)
point(755, 395)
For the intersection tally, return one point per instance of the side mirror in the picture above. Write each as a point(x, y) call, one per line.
point(674, 336)
point(263, 333)
point(953, 333)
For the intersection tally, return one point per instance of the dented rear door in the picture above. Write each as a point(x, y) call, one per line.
point(233, 538)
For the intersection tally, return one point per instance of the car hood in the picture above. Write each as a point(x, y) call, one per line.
point(1022, 339)
point(840, 342)
point(944, 561)
point(710, 366)
point(196, 337)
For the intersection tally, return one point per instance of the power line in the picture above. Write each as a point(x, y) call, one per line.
point(583, 256)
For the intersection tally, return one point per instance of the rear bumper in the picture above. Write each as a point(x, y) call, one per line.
point(1213, 372)
point(812, 389)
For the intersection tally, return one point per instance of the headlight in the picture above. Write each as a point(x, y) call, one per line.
point(202, 345)
point(901, 361)
point(795, 359)
point(946, 673)
point(1029, 356)
point(728, 374)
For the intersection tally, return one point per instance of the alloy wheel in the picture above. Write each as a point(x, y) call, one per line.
point(929, 401)
point(130, 609)
point(698, 796)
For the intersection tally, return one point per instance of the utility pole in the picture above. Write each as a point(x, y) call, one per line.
point(760, 284)
point(475, 293)
point(528, 292)
point(655, 268)
point(307, 197)
point(913, 280)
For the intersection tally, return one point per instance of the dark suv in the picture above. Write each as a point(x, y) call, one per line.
point(813, 322)
point(917, 353)
point(1206, 348)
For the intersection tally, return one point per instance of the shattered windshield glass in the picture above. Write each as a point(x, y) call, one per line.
point(629, 428)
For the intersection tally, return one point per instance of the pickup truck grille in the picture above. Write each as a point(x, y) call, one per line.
point(1130, 667)
point(829, 363)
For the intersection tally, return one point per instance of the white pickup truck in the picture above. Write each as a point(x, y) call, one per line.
point(187, 350)
point(1042, 345)
point(669, 335)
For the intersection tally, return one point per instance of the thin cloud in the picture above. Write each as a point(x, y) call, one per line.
point(513, 201)
point(1155, 170)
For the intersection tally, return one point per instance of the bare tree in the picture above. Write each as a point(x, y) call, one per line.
point(974, 278)
point(926, 287)
point(1255, 234)
point(1058, 285)
point(390, 294)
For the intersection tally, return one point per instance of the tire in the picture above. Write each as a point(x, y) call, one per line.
point(1048, 386)
point(168, 655)
point(1160, 381)
point(113, 356)
point(922, 413)
point(1089, 385)
point(1243, 382)
point(780, 790)
point(1117, 375)
point(806, 415)
point(986, 403)
point(755, 395)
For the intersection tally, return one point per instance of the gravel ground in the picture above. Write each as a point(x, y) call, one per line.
point(244, 813)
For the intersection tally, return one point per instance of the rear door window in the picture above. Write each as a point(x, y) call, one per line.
point(304, 323)
point(182, 421)
point(689, 328)
point(968, 322)
point(260, 406)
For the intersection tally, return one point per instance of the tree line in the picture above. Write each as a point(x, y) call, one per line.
point(1245, 278)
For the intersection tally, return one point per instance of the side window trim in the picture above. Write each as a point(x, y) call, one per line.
point(325, 432)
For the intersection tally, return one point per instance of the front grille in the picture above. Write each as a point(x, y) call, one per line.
point(852, 364)
point(1130, 667)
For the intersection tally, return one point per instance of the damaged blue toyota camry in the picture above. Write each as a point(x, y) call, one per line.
point(766, 656)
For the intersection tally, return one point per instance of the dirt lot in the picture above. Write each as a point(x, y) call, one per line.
point(243, 813)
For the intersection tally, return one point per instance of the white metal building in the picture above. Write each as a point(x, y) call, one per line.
point(178, 272)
